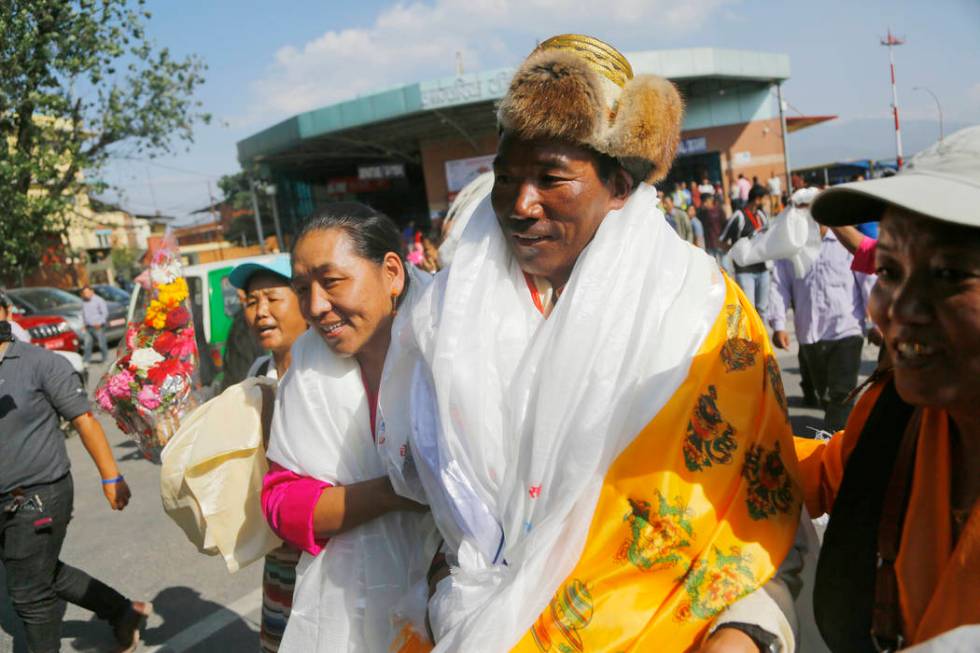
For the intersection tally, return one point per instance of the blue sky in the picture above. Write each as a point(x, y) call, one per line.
point(268, 61)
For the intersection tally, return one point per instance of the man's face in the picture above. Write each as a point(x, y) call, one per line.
point(87, 293)
point(550, 201)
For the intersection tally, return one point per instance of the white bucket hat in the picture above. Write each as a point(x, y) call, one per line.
point(941, 182)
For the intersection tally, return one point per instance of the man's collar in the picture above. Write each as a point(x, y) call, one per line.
point(12, 350)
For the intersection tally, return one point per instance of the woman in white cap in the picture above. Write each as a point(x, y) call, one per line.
point(271, 311)
point(900, 564)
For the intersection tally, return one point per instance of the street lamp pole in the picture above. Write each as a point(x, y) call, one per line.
point(939, 108)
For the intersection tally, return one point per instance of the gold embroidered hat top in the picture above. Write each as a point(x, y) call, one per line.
point(579, 89)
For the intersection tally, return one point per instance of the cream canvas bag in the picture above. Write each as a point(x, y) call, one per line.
point(211, 478)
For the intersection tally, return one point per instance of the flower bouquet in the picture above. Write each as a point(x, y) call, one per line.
point(148, 389)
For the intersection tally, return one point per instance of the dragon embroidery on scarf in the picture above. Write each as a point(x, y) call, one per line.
point(656, 537)
point(770, 489)
point(710, 439)
point(738, 352)
point(715, 582)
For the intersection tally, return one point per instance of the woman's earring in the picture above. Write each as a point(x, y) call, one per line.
point(394, 304)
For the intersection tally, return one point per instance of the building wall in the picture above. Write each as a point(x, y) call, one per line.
point(751, 149)
point(434, 157)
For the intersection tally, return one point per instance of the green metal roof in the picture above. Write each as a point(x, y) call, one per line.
point(434, 95)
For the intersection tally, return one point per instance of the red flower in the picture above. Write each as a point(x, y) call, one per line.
point(177, 317)
point(165, 342)
point(169, 367)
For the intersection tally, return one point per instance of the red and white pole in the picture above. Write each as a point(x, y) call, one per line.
point(890, 42)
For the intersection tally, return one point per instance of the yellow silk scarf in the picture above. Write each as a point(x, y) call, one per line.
point(697, 512)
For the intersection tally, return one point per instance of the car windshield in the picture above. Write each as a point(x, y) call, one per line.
point(45, 299)
point(112, 294)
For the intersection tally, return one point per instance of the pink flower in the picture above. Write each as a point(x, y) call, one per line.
point(103, 399)
point(184, 346)
point(119, 384)
point(148, 397)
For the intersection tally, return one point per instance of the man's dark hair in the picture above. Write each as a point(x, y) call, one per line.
point(372, 233)
point(757, 192)
point(637, 168)
point(4, 299)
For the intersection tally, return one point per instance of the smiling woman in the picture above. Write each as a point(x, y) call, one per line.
point(901, 556)
point(327, 492)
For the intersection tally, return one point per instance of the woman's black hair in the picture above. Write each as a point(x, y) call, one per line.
point(372, 233)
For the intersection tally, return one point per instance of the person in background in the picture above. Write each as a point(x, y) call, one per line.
point(752, 279)
point(775, 185)
point(695, 193)
point(95, 312)
point(6, 306)
point(706, 188)
point(712, 218)
point(829, 309)
point(677, 218)
point(241, 348)
point(900, 561)
point(697, 229)
point(680, 196)
point(271, 311)
point(37, 494)
point(744, 186)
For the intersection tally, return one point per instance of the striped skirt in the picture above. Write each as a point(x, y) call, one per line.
point(278, 580)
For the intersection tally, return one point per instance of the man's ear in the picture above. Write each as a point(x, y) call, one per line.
point(620, 186)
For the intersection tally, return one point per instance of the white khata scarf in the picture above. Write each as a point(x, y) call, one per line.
point(346, 596)
point(515, 419)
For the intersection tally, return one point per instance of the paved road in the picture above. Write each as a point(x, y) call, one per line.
point(199, 606)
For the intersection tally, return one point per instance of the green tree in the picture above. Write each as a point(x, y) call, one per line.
point(80, 83)
point(238, 195)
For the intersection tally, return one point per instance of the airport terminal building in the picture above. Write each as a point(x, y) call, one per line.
point(408, 150)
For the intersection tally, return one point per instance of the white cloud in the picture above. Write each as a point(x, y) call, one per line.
point(419, 40)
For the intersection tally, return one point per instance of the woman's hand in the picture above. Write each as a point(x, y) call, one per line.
point(344, 507)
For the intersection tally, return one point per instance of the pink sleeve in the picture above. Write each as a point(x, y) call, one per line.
point(288, 502)
point(864, 257)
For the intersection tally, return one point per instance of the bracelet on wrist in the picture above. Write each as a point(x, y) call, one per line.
point(113, 481)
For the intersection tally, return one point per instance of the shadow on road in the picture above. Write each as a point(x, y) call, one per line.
point(181, 607)
point(178, 608)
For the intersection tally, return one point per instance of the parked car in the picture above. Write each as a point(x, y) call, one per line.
point(111, 293)
point(48, 331)
point(45, 300)
point(214, 301)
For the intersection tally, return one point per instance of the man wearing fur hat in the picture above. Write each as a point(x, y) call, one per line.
point(597, 418)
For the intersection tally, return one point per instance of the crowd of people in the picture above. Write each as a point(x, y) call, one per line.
point(575, 436)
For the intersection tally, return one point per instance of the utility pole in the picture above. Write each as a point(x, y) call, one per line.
point(782, 131)
point(258, 219)
point(215, 218)
point(270, 190)
point(891, 41)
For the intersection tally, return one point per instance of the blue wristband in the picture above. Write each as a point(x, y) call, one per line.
point(111, 481)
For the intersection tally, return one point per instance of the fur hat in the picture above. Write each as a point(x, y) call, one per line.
point(579, 89)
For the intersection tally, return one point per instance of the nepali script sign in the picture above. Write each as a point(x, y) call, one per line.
point(465, 89)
